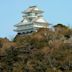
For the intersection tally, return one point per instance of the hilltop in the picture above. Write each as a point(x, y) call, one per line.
point(48, 50)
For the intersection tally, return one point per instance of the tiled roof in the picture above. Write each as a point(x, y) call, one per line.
point(32, 9)
point(40, 20)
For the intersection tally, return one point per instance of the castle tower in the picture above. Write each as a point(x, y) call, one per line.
point(32, 21)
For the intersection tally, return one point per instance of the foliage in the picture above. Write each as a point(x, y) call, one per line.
point(43, 51)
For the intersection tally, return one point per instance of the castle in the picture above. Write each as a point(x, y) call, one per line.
point(32, 21)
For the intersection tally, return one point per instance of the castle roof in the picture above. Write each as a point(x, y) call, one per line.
point(24, 21)
point(40, 20)
point(33, 9)
point(32, 20)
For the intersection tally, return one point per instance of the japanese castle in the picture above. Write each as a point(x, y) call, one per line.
point(32, 21)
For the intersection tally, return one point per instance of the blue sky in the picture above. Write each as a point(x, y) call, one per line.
point(56, 11)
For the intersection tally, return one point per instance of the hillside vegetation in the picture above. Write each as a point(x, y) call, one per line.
point(48, 50)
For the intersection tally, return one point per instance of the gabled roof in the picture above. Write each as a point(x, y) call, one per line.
point(39, 20)
point(24, 21)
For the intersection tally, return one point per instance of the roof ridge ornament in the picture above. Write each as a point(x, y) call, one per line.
point(33, 6)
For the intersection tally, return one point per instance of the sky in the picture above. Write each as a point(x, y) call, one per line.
point(55, 11)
